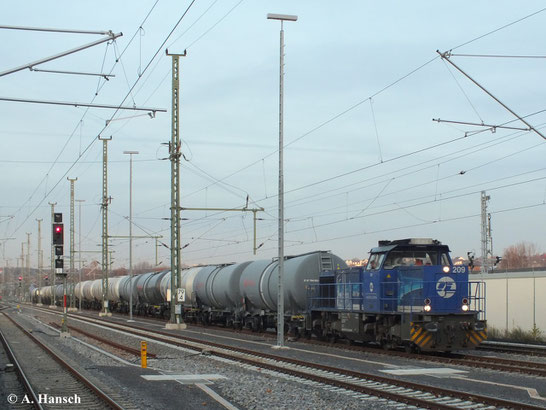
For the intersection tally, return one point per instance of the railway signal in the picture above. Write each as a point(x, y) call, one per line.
point(58, 234)
point(57, 240)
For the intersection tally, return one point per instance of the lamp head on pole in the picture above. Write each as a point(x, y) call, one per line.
point(285, 17)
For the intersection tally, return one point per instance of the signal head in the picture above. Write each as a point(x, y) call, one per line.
point(58, 234)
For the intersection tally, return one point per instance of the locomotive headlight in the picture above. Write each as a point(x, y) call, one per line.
point(446, 269)
point(427, 307)
point(465, 306)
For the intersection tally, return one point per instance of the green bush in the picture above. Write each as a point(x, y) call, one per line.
point(517, 334)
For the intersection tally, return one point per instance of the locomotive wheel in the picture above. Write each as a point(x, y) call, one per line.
point(408, 348)
point(387, 344)
point(412, 348)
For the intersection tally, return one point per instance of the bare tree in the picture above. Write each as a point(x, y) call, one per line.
point(521, 255)
point(142, 267)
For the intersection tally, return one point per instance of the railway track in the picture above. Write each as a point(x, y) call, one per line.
point(391, 389)
point(497, 363)
point(109, 342)
point(23, 387)
point(70, 387)
point(468, 360)
point(515, 348)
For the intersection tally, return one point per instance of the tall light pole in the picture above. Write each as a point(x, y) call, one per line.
point(5, 271)
point(79, 201)
point(53, 275)
point(39, 303)
point(131, 153)
point(176, 296)
point(280, 295)
point(26, 283)
point(72, 229)
point(105, 202)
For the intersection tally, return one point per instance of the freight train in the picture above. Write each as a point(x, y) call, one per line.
point(409, 294)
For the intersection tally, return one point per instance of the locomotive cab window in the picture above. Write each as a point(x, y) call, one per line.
point(445, 259)
point(376, 259)
point(402, 257)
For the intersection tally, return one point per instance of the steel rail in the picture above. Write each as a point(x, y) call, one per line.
point(534, 368)
point(119, 346)
point(95, 389)
point(532, 350)
point(22, 377)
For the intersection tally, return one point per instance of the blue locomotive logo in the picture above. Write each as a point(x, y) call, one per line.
point(446, 287)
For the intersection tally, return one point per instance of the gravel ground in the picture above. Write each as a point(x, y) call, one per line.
point(246, 387)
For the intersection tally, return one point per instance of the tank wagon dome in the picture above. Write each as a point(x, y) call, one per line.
point(140, 283)
point(78, 289)
point(46, 292)
point(126, 285)
point(259, 280)
point(96, 290)
point(202, 285)
point(164, 285)
point(114, 288)
point(187, 282)
point(152, 288)
point(86, 290)
point(224, 291)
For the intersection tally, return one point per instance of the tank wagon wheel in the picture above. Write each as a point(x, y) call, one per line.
point(319, 334)
point(296, 333)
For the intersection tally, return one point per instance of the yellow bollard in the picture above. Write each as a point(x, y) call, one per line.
point(143, 355)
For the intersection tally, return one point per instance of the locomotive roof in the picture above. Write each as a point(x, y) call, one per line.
point(411, 243)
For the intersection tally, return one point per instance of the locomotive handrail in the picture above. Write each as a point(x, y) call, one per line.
point(401, 296)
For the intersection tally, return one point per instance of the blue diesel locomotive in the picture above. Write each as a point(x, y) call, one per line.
point(409, 294)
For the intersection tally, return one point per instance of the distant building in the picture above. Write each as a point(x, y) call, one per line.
point(356, 262)
point(459, 260)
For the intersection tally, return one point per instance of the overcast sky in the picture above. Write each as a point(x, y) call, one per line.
point(363, 159)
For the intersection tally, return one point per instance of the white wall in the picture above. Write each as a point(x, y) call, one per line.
point(515, 299)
